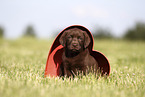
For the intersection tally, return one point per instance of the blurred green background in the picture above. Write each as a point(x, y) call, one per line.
point(29, 27)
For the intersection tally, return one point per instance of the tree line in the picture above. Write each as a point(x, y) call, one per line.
point(29, 32)
point(136, 32)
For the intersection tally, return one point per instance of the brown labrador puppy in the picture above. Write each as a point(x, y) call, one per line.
point(76, 57)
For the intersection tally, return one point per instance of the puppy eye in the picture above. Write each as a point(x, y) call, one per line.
point(69, 37)
point(80, 38)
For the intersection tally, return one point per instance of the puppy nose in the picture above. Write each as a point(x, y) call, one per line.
point(75, 44)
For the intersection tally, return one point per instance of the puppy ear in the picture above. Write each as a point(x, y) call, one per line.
point(86, 40)
point(62, 39)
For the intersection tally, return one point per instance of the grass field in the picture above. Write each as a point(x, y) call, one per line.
point(22, 63)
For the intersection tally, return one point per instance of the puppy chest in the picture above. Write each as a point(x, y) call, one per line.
point(75, 65)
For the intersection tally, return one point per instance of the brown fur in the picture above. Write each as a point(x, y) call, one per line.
point(76, 57)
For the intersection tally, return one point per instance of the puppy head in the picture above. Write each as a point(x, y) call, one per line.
point(74, 39)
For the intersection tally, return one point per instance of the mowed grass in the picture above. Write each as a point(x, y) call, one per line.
point(22, 65)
